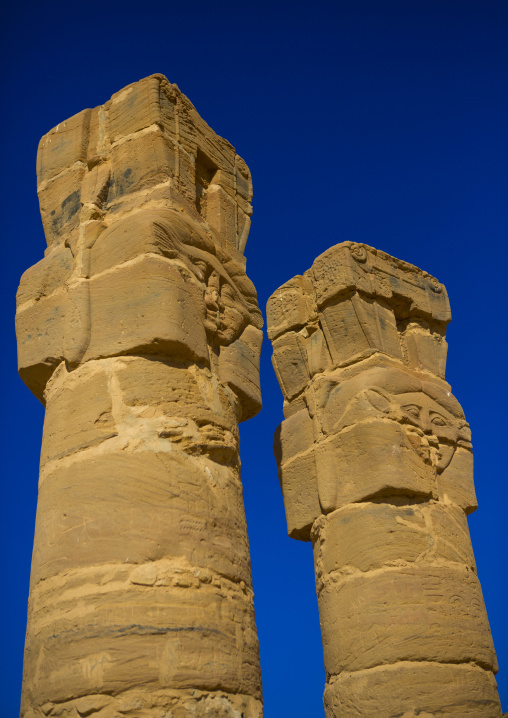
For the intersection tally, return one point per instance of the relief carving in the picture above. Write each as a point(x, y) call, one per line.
point(376, 469)
point(141, 334)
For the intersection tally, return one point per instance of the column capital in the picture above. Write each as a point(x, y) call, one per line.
point(146, 212)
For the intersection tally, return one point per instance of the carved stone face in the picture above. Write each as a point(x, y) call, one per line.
point(226, 304)
point(433, 427)
point(224, 314)
point(153, 283)
point(432, 431)
point(223, 296)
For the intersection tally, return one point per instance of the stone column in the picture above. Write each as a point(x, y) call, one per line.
point(376, 469)
point(140, 332)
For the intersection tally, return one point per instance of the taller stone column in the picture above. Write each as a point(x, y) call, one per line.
point(376, 469)
point(141, 334)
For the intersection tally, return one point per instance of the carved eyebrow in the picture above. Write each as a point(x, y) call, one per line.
point(408, 407)
point(437, 415)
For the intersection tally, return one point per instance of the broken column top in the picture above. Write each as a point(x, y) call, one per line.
point(353, 337)
point(152, 150)
point(354, 302)
point(350, 267)
point(146, 213)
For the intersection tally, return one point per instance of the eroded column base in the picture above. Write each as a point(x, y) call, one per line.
point(407, 689)
point(158, 704)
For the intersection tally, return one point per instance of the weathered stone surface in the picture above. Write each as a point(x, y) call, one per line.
point(140, 332)
point(45, 277)
point(183, 703)
point(348, 466)
point(290, 307)
point(423, 534)
point(169, 390)
point(40, 335)
point(239, 369)
point(405, 614)
point(79, 414)
point(94, 169)
point(408, 689)
point(159, 317)
point(296, 436)
point(456, 481)
point(289, 364)
point(202, 511)
point(376, 468)
point(182, 636)
point(298, 481)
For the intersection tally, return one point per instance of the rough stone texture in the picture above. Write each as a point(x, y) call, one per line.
point(376, 468)
point(141, 334)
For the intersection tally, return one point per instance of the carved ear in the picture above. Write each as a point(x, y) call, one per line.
point(464, 436)
point(456, 482)
point(343, 409)
point(379, 399)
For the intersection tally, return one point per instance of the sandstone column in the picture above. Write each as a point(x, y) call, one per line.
point(140, 332)
point(376, 469)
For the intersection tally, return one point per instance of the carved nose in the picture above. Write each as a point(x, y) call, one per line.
point(212, 298)
point(431, 438)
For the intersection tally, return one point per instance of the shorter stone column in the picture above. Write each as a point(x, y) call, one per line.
point(376, 468)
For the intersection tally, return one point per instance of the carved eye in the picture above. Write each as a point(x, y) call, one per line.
point(438, 420)
point(412, 410)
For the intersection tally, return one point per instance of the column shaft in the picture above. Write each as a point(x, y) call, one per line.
point(375, 464)
point(140, 332)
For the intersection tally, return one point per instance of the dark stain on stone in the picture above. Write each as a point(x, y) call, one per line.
point(69, 209)
point(123, 183)
point(71, 205)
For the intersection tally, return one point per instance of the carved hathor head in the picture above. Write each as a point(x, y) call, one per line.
point(146, 214)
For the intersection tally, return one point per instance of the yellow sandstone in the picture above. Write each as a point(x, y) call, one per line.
point(376, 469)
point(140, 333)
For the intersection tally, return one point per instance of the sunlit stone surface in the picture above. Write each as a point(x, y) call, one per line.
point(140, 332)
point(376, 468)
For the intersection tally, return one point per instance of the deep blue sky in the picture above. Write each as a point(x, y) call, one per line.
point(382, 122)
